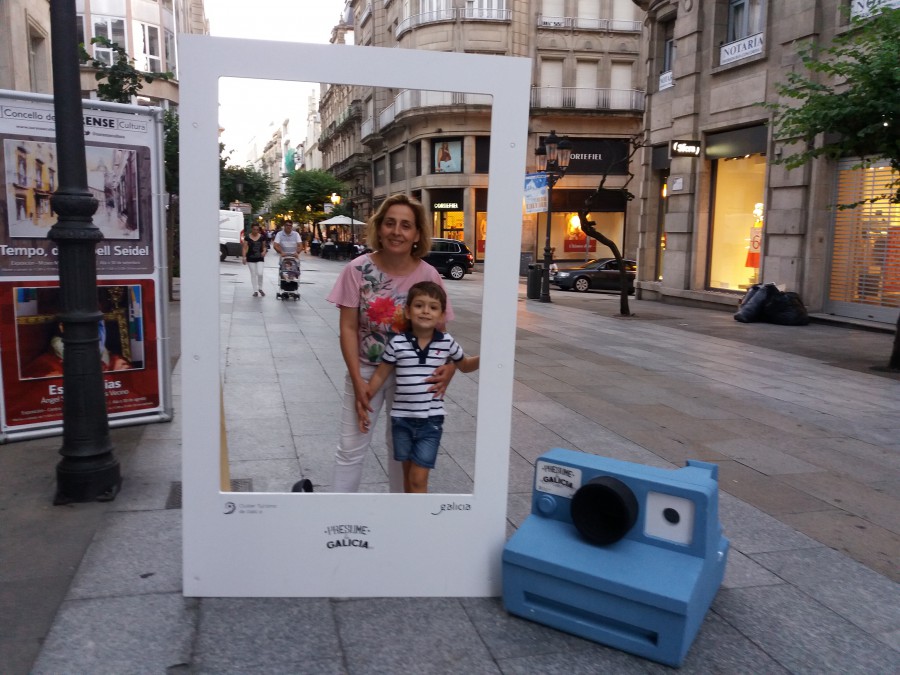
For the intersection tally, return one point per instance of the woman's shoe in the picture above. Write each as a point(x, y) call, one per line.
point(255, 294)
point(262, 293)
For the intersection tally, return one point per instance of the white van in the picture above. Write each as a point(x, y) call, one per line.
point(231, 233)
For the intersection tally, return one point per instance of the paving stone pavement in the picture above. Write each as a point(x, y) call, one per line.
point(805, 434)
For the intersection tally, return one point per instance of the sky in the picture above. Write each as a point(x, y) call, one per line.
point(250, 108)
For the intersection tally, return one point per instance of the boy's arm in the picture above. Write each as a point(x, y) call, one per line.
point(468, 363)
point(379, 376)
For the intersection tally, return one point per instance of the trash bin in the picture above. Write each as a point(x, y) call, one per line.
point(533, 282)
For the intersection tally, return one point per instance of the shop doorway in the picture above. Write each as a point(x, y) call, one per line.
point(449, 225)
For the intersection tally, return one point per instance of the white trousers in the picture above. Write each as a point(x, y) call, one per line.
point(256, 274)
point(353, 445)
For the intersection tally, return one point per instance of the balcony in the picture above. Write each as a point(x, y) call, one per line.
point(451, 14)
point(367, 128)
point(435, 16)
point(581, 98)
point(411, 99)
point(365, 14)
point(579, 23)
point(485, 14)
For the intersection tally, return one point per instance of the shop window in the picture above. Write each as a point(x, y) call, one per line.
point(737, 224)
point(865, 258)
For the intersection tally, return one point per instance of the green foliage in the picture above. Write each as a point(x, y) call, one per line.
point(850, 93)
point(311, 188)
point(170, 150)
point(244, 184)
point(123, 80)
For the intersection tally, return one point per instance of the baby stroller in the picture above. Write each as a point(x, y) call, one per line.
point(288, 279)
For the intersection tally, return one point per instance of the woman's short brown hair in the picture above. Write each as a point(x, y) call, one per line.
point(422, 247)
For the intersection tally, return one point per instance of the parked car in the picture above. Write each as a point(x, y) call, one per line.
point(451, 258)
point(602, 273)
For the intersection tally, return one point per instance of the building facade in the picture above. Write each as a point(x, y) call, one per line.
point(717, 214)
point(147, 30)
point(435, 144)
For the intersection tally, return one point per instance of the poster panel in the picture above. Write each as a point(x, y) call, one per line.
point(119, 153)
point(31, 350)
point(344, 545)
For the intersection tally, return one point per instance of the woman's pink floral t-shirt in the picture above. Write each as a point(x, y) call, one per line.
point(380, 298)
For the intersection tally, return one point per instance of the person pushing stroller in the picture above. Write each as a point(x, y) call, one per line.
point(287, 244)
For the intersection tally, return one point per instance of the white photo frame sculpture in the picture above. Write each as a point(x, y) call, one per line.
point(283, 544)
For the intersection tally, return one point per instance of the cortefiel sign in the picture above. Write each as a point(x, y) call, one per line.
point(318, 544)
point(684, 149)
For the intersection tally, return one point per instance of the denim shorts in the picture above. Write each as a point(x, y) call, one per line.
point(416, 439)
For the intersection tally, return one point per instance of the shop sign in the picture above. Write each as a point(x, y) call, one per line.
point(598, 156)
point(684, 149)
point(741, 49)
point(446, 206)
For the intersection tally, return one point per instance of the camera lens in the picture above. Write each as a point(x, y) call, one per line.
point(603, 510)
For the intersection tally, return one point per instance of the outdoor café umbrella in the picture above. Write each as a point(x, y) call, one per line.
point(346, 221)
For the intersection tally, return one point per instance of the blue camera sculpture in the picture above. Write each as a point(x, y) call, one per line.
point(626, 555)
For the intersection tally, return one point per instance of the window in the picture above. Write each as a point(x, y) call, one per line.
point(112, 29)
point(380, 167)
point(668, 55)
point(740, 29)
point(171, 58)
point(743, 19)
point(398, 165)
point(147, 53)
point(738, 208)
point(667, 58)
point(79, 29)
point(38, 62)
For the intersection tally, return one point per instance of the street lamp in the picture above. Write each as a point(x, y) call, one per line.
point(552, 160)
point(88, 470)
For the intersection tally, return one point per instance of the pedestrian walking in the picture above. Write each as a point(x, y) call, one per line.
point(254, 252)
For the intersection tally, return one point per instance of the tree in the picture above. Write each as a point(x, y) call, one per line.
point(845, 102)
point(245, 184)
point(170, 162)
point(589, 227)
point(850, 94)
point(123, 80)
point(311, 188)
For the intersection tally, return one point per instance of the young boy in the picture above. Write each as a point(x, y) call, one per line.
point(417, 417)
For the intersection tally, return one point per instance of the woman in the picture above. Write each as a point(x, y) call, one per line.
point(255, 248)
point(370, 294)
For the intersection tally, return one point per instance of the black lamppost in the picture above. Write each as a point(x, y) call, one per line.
point(552, 160)
point(88, 470)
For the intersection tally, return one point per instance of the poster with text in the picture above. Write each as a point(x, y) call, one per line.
point(120, 172)
point(32, 350)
